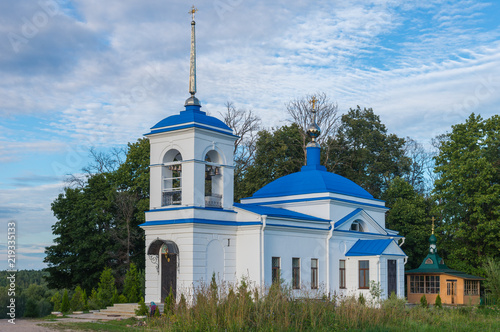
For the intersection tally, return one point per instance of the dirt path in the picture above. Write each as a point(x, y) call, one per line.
point(33, 325)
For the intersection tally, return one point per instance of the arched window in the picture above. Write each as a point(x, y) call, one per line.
point(213, 180)
point(356, 226)
point(172, 179)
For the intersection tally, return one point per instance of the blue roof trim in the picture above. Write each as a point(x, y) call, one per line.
point(300, 227)
point(189, 126)
point(198, 221)
point(311, 181)
point(190, 207)
point(278, 212)
point(385, 235)
point(350, 215)
point(318, 199)
point(369, 247)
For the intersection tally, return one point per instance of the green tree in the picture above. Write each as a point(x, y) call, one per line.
point(65, 302)
point(77, 301)
point(97, 221)
point(278, 153)
point(492, 273)
point(31, 308)
point(468, 192)
point(132, 286)
point(409, 215)
point(56, 300)
point(365, 153)
point(107, 288)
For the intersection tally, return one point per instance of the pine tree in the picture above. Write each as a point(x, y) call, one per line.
point(107, 288)
point(65, 302)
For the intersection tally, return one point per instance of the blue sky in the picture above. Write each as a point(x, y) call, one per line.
point(77, 74)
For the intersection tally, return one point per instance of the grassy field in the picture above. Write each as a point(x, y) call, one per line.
point(241, 309)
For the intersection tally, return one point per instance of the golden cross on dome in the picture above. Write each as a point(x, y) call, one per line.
point(192, 11)
point(313, 102)
point(433, 219)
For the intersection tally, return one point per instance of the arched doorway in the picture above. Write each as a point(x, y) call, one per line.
point(165, 253)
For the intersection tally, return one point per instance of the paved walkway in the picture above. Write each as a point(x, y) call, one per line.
point(33, 325)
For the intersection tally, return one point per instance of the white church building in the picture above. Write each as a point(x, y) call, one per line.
point(314, 230)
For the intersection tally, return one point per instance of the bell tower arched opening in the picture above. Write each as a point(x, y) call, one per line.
point(172, 178)
point(213, 180)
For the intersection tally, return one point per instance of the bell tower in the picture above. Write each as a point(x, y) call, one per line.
point(191, 154)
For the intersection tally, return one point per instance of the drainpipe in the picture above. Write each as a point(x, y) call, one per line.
point(262, 228)
point(402, 242)
point(327, 246)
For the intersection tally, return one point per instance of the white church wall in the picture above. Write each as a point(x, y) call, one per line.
point(294, 243)
point(248, 248)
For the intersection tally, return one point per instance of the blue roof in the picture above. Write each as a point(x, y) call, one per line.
point(369, 247)
point(311, 181)
point(350, 215)
point(191, 117)
point(277, 212)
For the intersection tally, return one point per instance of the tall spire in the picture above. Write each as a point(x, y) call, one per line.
point(192, 101)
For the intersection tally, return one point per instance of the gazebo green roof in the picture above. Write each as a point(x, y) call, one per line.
point(432, 263)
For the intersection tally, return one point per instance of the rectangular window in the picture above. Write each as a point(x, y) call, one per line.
point(342, 273)
point(314, 273)
point(296, 273)
point(417, 284)
point(471, 287)
point(364, 274)
point(276, 269)
point(432, 284)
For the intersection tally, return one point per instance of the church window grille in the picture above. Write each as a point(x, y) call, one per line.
point(275, 269)
point(342, 273)
point(314, 273)
point(296, 273)
point(364, 274)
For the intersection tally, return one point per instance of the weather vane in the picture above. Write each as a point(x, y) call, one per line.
point(192, 11)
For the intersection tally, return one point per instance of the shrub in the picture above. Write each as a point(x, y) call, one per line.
point(423, 301)
point(106, 289)
point(56, 300)
point(361, 299)
point(93, 301)
point(143, 309)
point(492, 282)
point(65, 302)
point(132, 284)
point(438, 303)
point(31, 308)
point(77, 302)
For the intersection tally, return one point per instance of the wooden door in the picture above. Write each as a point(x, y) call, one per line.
point(451, 290)
point(168, 275)
point(392, 277)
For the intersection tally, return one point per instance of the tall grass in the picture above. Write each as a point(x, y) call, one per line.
point(242, 307)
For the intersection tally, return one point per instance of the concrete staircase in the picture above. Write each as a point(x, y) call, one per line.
point(119, 310)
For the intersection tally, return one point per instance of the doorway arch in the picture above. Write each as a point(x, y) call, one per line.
point(164, 253)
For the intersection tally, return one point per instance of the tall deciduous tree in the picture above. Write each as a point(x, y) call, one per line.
point(98, 221)
point(410, 215)
point(468, 192)
point(278, 153)
point(365, 153)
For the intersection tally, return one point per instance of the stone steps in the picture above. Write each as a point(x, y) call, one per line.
point(119, 310)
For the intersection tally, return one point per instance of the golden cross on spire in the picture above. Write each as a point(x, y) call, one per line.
point(433, 219)
point(192, 11)
point(313, 102)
